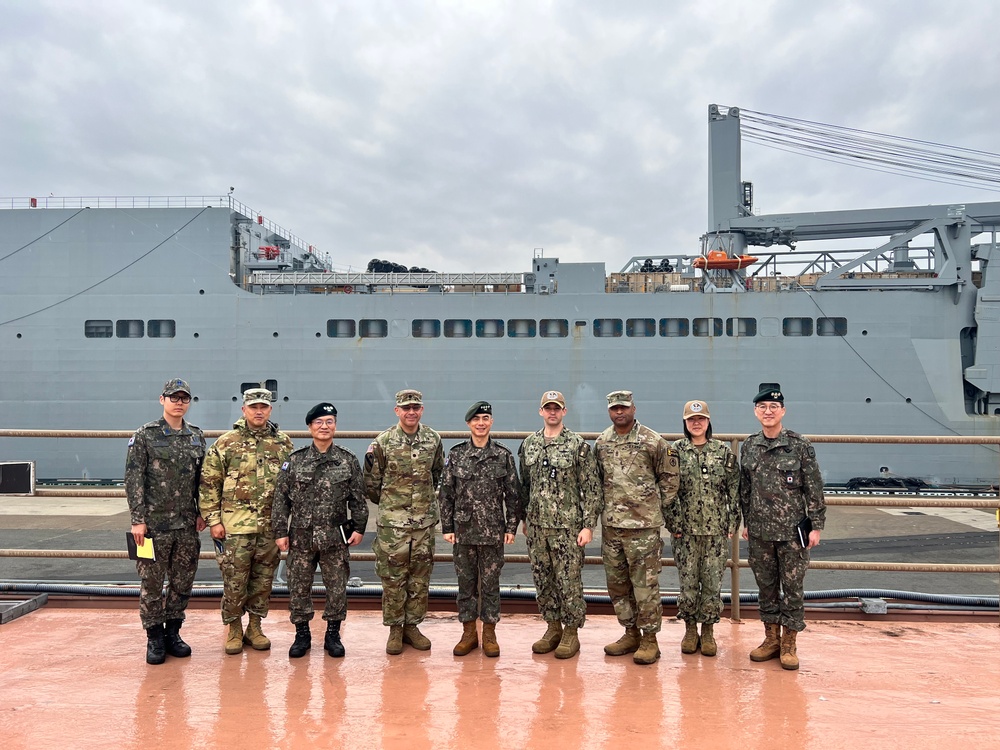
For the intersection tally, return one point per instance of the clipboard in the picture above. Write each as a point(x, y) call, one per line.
point(144, 551)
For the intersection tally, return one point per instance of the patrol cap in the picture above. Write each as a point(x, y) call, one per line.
point(257, 396)
point(696, 409)
point(321, 410)
point(769, 392)
point(480, 407)
point(553, 397)
point(176, 386)
point(620, 398)
point(409, 396)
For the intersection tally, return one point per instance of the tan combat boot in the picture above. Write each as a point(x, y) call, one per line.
point(549, 641)
point(626, 644)
point(689, 643)
point(649, 650)
point(771, 646)
point(470, 640)
point(708, 644)
point(255, 636)
point(234, 638)
point(413, 636)
point(789, 659)
point(490, 645)
point(394, 645)
point(569, 644)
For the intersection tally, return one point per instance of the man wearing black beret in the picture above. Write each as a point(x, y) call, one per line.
point(316, 488)
point(479, 483)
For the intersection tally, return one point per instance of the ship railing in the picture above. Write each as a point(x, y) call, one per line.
point(878, 499)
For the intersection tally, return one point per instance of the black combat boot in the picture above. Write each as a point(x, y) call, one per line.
point(332, 642)
point(155, 653)
point(303, 641)
point(175, 646)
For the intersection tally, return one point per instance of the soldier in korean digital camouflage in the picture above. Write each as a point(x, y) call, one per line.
point(705, 515)
point(319, 511)
point(639, 474)
point(403, 467)
point(480, 481)
point(162, 472)
point(237, 490)
point(561, 502)
point(780, 485)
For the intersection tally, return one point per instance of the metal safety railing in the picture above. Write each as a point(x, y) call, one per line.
point(734, 563)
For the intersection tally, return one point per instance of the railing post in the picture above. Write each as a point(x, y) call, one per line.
point(734, 553)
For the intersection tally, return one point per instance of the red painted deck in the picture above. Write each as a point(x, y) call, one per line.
point(76, 678)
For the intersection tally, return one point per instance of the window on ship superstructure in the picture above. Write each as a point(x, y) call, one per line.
point(520, 328)
point(161, 329)
point(831, 326)
point(340, 329)
point(708, 327)
point(640, 327)
point(553, 328)
point(607, 327)
point(797, 327)
point(489, 328)
point(129, 329)
point(674, 327)
point(458, 329)
point(372, 328)
point(426, 329)
point(741, 327)
point(98, 329)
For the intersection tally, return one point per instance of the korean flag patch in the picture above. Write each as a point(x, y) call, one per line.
point(131, 440)
point(284, 466)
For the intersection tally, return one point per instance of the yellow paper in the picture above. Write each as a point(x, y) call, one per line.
point(145, 551)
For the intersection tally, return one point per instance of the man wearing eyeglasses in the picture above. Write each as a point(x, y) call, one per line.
point(162, 471)
point(780, 487)
point(402, 471)
point(317, 487)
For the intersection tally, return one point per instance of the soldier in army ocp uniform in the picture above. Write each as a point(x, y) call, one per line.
point(780, 484)
point(402, 470)
point(480, 481)
point(237, 489)
point(561, 502)
point(162, 472)
point(639, 474)
point(702, 520)
point(316, 488)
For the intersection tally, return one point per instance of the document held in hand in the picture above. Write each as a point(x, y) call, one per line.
point(142, 551)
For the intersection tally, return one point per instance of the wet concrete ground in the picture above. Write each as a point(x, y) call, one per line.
point(72, 678)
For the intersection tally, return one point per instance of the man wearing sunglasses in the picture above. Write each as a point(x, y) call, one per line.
point(781, 489)
point(402, 471)
point(162, 471)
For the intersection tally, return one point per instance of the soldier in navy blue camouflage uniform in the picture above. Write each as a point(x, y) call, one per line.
point(480, 481)
point(780, 484)
point(316, 489)
point(162, 471)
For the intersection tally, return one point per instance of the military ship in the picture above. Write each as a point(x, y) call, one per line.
point(103, 299)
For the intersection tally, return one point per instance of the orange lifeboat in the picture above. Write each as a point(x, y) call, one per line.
point(720, 259)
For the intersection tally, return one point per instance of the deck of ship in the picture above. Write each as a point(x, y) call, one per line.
point(76, 678)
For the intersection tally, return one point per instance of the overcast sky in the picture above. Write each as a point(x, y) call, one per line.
point(462, 135)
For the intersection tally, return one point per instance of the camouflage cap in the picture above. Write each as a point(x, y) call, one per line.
point(553, 397)
point(769, 392)
point(257, 396)
point(409, 396)
point(480, 407)
point(176, 386)
point(620, 398)
point(696, 409)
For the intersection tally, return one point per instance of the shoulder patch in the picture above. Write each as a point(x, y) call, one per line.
point(131, 440)
point(371, 448)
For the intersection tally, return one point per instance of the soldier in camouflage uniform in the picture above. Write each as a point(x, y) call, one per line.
point(704, 517)
point(402, 470)
point(161, 483)
point(780, 484)
point(480, 481)
point(237, 489)
point(316, 488)
point(639, 473)
point(561, 502)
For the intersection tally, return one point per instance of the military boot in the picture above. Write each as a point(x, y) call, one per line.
point(469, 641)
point(234, 638)
point(569, 644)
point(331, 642)
point(627, 644)
point(549, 641)
point(649, 650)
point(789, 659)
point(689, 643)
point(175, 646)
point(490, 646)
point(708, 645)
point(771, 646)
point(394, 645)
point(255, 636)
point(413, 636)
point(155, 653)
point(302, 642)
